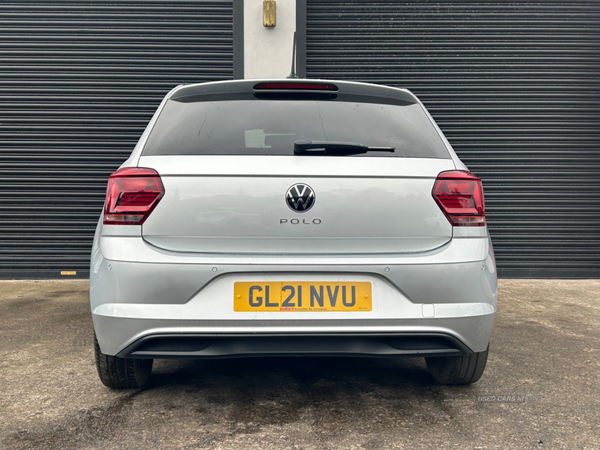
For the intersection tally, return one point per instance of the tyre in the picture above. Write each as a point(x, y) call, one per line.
point(121, 373)
point(457, 370)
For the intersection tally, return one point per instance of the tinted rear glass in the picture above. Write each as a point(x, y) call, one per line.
point(270, 127)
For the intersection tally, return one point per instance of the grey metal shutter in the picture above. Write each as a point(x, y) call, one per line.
point(515, 86)
point(79, 81)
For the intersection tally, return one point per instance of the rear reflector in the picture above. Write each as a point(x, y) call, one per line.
point(296, 85)
point(460, 195)
point(131, 195)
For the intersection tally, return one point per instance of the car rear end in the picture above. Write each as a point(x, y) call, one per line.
point(222, 235)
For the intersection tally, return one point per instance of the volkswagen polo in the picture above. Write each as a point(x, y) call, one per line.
point(292, 217)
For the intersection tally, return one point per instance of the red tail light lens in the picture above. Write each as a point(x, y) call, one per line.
point(460, 195)
point(131, 195)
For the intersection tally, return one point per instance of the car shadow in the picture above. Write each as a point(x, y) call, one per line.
point(256, 392)
point(255, 374)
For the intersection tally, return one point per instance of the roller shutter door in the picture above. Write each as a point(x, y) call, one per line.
point(79, 80)
point(515, 86)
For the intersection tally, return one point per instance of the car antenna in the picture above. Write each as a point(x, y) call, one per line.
point(293, 73)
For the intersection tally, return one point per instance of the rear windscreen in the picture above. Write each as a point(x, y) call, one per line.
point(270, 127)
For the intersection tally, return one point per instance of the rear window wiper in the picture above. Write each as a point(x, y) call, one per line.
point(302, 147)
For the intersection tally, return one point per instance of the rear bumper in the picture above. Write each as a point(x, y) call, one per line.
point(210, 340)
point(176, 306)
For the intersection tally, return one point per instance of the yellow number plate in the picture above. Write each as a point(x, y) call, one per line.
point(302, 296)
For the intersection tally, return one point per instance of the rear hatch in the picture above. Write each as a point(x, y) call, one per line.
point(229, 153)
point(238, 205)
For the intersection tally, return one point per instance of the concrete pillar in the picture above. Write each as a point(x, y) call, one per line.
point(268, 51)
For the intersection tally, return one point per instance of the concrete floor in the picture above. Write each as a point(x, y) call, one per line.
point(545, 350)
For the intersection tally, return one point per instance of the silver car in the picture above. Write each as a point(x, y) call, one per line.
point(292, 217)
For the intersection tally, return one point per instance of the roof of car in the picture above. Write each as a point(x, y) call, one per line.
point(241, 88)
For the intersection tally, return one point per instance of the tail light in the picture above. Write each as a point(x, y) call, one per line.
point(460, 195)
point(131, 195)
